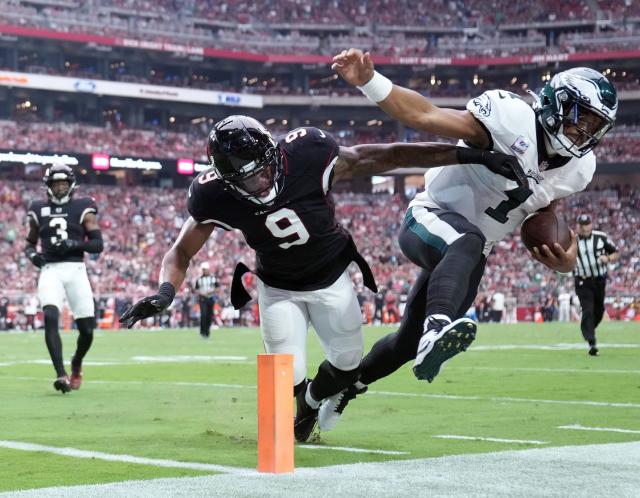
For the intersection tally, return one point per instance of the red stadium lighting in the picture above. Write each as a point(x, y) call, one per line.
point(185, 166)
point(100, 161)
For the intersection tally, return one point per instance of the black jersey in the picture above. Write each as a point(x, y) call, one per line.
point(298, 242)
point(57, 222)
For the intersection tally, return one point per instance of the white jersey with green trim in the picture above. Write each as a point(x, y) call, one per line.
point(495, 204)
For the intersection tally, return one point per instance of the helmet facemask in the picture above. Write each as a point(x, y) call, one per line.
point(576, 109)
point(246, 159)
point(57, 174)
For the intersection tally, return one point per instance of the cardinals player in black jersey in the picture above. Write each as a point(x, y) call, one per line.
point(67, 227)
point(277, 193)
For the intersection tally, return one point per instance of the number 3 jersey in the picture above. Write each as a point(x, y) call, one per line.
point(299, 244)
point(491, 202)
point(57, 222)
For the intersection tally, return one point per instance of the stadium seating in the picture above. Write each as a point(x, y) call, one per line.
point(139, 225)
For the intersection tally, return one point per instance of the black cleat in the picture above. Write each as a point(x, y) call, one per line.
point(441, 342)
point(62, 384)
point(306, 417)
point(593, 351)
point(331, 408)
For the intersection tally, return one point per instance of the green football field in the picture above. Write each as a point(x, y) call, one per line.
point(170, 395)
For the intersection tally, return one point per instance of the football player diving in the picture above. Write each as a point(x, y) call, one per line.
point(278, 194)
point(67, 227)
point(449, 228)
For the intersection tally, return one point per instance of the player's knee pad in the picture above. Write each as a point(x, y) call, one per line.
point(51, 315)
point(86, 325)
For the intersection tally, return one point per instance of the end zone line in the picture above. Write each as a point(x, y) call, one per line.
point(546, 370)
point(156, 462)
point(578, 427)
point(491, 439)
point(351, 450)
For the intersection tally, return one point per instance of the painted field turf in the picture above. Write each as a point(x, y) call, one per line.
point(170, 395)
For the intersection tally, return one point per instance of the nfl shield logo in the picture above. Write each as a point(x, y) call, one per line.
point(520, 146)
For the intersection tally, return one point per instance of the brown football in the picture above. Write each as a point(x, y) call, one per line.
point(545, 227)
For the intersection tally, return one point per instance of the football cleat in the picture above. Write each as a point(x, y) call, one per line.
point(331, 408)
point(76, 377)
point(306, 417)
point(62, 384)
point(593, 351)
point(441, 342)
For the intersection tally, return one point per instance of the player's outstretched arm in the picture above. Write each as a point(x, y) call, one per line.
point(407, 106)
point(375, 159)
point(172, 273)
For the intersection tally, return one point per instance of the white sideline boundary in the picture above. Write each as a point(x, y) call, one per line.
point(496, 399)
point(578, 427)
point(490, 439)
point(577, 471)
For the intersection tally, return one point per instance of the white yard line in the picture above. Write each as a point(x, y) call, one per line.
point(549, 370)
point(110, 457)
point(578, 427)
point(376, 393)
point(141, 360)
point(491, 439)
point(351, 450)
point(562, 346)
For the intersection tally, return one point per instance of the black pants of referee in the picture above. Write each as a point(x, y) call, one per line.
point(591, 293)
point(206, 315)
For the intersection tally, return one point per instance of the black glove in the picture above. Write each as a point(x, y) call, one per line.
point(149, 305)
point(37, 259)
point(66, 245)
point(501, 164)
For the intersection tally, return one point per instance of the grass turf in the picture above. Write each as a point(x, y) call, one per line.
point(204, 409)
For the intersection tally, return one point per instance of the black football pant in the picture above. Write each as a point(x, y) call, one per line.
point(206, 315)
point(591, 292)
point(447, 284)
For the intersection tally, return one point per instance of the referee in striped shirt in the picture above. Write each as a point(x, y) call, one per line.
point(205, 287)
point(595, 252)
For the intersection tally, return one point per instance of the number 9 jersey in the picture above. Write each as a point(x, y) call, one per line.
point(57, 222)
point(494, 204)
point(299, 244)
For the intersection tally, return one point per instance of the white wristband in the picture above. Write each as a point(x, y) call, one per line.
point(377, 88)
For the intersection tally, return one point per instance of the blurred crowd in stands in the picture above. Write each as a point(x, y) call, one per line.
point(622, 145)
point(139, 225)
point(464, 28)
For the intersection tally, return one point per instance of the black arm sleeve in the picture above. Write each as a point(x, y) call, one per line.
point(94, 244)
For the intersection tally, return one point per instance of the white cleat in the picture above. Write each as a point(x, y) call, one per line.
point(332, 407)
point(441, 342)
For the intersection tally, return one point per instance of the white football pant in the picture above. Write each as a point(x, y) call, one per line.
point(334, 313)
point(70, 278)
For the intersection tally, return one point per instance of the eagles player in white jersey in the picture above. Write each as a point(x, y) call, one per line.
point(449, 228)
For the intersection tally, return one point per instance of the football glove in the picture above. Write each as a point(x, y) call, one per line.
point(501, 164)
point(149, 306)
point(37, 259)
point(65, 246)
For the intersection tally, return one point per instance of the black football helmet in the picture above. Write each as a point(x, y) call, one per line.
point(246, 158)
point(59, 172)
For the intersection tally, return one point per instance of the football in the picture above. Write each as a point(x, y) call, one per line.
point(545, 227)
